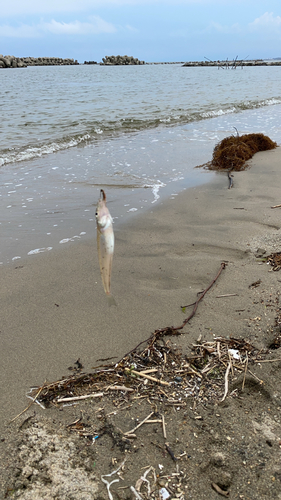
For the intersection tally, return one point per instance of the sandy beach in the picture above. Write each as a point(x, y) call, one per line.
point(54, 310)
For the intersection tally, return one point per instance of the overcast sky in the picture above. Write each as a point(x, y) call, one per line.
point(152, 30)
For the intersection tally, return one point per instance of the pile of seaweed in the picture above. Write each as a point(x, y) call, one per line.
point(233, 152)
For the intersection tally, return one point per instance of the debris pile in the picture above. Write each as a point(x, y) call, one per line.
point(233, 152)
point(159, 372)
point(274, 260)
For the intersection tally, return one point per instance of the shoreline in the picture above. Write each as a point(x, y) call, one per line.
point(52, 199)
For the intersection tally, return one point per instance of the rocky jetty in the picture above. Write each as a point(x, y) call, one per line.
point(233, 64)
point(120, 61)
point(90, 62)
point(23, 62)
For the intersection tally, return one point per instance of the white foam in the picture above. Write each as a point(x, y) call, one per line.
point(155, 189)
point(39, 250)
point(66, 240)
point(219, 112)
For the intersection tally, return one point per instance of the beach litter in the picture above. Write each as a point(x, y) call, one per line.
point(274, 260)
point(108, 484)
point(203, 375)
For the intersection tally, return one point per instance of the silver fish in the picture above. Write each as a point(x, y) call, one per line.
point(105, 241)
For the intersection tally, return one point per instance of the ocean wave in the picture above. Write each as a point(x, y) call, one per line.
point(29, 153)
point(105, 130)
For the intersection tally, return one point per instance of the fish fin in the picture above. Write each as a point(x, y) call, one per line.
point(111, 301)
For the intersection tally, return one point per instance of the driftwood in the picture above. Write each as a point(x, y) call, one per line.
point(162, 382)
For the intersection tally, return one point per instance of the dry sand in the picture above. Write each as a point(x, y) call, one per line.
point(54, 311)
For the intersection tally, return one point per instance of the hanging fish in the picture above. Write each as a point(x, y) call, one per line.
point(105, 241)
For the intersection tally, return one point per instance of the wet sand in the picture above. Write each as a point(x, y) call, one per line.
point(54, 310)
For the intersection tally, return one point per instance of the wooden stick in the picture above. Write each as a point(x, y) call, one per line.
point(175, 403)
point(135, 428)
point(153, 421)
point(267, 360)
point(192, 370)
point(136, 494)
point(219, 490)
point(227, 295)
point(218, 350)
point(151, 370)
point(162, 382)
point(171, 453)
point(164, 427)
point(257, 378)
point(75, 422)
point(229, 356)
point(246, 366)
point(78, 398)
point(226, 382)
point(223, 265)
point(119, 388)
point(30, 404)
point(276, 206)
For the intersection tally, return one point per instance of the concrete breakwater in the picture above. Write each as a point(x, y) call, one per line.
point(120, 61)
point(233, 64)
point(23, 62)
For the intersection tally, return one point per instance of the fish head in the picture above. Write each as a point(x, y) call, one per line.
point(103, 217)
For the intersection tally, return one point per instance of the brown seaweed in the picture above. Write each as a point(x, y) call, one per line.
point(233, 152)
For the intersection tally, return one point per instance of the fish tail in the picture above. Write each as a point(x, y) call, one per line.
point(111, 300)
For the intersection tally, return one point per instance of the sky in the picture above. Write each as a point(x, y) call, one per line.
point(151, 30)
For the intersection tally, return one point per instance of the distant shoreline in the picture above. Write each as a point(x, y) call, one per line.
point(24, 62)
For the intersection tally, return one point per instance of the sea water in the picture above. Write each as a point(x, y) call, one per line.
point(138, 132)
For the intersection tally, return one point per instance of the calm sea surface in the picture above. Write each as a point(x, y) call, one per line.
point(136, 131)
